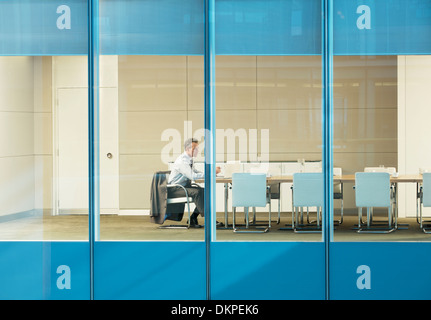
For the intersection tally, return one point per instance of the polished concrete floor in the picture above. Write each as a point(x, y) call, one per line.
point(32, 226)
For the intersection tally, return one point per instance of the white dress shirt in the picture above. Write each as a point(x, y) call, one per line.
point(183, 171)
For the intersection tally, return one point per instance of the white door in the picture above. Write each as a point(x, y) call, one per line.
point(109, 155)
point(72, 152)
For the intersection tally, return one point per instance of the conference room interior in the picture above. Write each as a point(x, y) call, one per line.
point(268, 117)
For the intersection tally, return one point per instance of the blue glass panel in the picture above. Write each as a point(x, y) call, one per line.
point(44, 270)
point(276, 27)
point(384, 270)
point(152, 27)
point(150, 270)
point(382, 27)
point(246, 27)
point(267, 270)
point(29, 27)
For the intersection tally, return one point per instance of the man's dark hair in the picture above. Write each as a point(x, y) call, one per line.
point(189, 142)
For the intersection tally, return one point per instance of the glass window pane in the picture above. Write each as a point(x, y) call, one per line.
point(380, 79)
point(44, 202)
point(268, 117)
point(151, 102)
point(43, 110)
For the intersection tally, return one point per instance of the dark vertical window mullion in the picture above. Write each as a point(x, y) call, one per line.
point(210, 129)
point(327, 116)
point(93, 151)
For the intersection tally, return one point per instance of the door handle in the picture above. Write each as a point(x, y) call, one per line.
point(109, 155)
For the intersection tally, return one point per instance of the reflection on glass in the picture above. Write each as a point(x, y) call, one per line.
point(151, 102)
point(149, 106)
point(269, 121)
point(268, 115)
point(44, 162)
point(378, 106)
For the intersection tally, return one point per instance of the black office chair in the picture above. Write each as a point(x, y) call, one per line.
point(173, 206)
point(338, 194)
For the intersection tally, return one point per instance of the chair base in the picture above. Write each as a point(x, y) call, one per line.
point(426, 227)
point(376, 230)
point(375, 227)
point(247, 230)
point(174, 226)
point(248, 224)
point(307, 230)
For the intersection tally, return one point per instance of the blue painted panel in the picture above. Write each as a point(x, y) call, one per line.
point(30, 270)
point(270, 27)
point(397, 270)
point(385, 27)
point(150, 270)
point(267, 270)
point(29, 27)
point(243, 27)
point(171, 27)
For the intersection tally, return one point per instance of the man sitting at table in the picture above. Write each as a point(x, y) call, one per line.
point(183, 172)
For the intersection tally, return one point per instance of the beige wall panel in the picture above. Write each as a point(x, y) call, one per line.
point(152, 83)
point(292, 130)
point(230, 124)
point(108, 66)
point(43, 84)
point(417, 113)
point(141, 132)
point(288, 82)
point(414, 130)
point(365, 130)
point(197, 120)
point(16, 84)
point(195, 128)
point(42, 133)
point(136, 174)
point(356, 162)
point(70, 71)
point(236, 119)
point(235, 82)
point(365, 82)
point(233, 133)
point(16, 184)
point(16, 134)
point(195, 83)
point(43, 181)
point(294, 156)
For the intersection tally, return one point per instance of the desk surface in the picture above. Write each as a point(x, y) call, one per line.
point(400, 179)
point(344, 179)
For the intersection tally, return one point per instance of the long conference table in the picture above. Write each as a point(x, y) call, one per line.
point(350, 178)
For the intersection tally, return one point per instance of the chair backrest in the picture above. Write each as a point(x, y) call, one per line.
point(337, 186)
point(308, 189)
point(248, 189)
point(426, 189)
point(372, 189)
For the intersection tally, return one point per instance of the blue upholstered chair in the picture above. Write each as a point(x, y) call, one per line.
point(373, 189)
point(307, 191)
point(425, 194)
point(249, 190)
